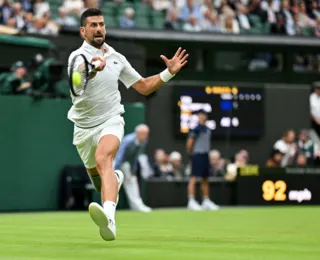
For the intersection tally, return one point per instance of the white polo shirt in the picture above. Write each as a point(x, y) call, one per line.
point(101, 99)
point(315, 105)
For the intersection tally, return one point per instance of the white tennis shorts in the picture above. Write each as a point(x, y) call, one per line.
point(86, 140)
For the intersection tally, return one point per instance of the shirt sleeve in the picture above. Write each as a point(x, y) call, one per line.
point(128, 75)
point(193, 133)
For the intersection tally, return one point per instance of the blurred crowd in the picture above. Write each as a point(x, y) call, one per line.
point(284, 17)
point(170, 166)
point(293, 151)
point(290, 17)
point(289, 151)
point(36, 16)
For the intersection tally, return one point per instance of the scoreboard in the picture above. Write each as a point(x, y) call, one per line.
point(276, 187)
point(237, 111)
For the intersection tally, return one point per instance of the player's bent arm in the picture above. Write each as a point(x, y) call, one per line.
point(146, 86)
point(190, 142)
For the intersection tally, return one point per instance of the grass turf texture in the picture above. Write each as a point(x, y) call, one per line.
point(230, 234)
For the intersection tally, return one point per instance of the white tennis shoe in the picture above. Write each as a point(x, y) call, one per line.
point(107, 226)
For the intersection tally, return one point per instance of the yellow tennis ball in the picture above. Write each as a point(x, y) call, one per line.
point(76, 78)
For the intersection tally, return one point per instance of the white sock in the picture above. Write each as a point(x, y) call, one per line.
point(110, 209)
point(205, 198)
point(191, 197)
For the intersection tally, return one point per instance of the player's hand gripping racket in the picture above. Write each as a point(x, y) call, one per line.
point(80, 72)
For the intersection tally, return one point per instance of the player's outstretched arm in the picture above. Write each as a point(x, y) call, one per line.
point(148, 85)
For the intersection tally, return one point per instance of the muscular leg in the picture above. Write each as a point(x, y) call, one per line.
point(105, 153)
point(105, 217)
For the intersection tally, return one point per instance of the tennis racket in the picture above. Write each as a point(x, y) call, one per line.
point(80, 72)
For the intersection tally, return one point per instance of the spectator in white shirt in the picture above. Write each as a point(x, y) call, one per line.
point(230, 25)
point(192, 25)
point(18, 15)
point(160, 5)
point(243, 18)
point(304, 19)
point(315, 107)
point(40, 8)
point(287, 146)
point(272, 20)
point(210, 21)
point(74, 6)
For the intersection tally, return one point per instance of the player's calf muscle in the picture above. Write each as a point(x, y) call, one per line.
point(104, 162)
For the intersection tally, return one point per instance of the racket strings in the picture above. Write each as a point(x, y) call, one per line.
point(81, 68)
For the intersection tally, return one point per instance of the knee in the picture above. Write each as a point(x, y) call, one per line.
point(104, 160)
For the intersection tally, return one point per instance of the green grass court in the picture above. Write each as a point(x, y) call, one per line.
point(271, 233)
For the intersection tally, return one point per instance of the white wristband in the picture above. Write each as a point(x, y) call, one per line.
point(165, 75)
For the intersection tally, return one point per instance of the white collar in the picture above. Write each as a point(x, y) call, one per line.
point(109, 50)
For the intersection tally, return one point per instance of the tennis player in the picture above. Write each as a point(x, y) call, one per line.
point(98, 124)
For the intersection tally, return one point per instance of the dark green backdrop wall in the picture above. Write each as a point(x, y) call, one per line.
point(36, 142)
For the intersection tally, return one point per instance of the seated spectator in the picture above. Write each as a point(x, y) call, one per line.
point(275, 159)
point(28, 18)
point(162, 167)
point(230, 25)
point(64, 19)
point(51, 27)
point(301, 161)
point(254, 7)
point(27, 5)
point(18, 15)
point(89, 4)
point(298, 29)
point(286, 16)
point(6, 11)
point(242, 18)
point(245, 155)
point(315, 11)
point(160, 5)
point(175, 159)
point(126, 20)
point(225, 9)
point(11, 23)
point(306, 146)
point(210, 21)
point(40, 8)
point(295, 7)
point(232, 168)
point(303, 19)
point(172, 16)
point(272, 4)
point(216, 163)
point(192, 25)
point(172, 21)
point(74, 6)
point(15, 83)
point(317, 28)
point(271, 15)
point(287, 146)
point(191, 10)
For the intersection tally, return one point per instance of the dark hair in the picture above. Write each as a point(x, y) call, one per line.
point(88, 13)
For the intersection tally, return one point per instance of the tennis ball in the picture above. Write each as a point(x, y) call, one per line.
point(76, 78)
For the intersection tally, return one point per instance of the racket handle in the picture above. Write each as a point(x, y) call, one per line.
point(96, 64)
